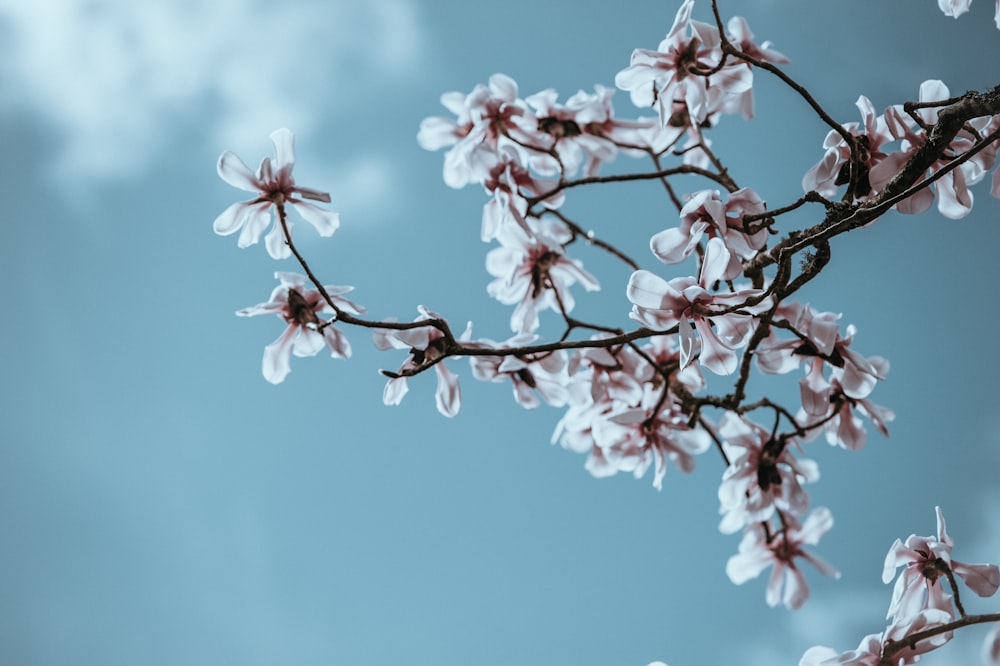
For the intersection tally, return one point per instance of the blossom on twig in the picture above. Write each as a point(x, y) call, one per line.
point(295, 302)
point(275, 186)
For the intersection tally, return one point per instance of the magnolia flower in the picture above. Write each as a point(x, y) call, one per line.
point(706, 214)
point(925, 560)
point(763, 475)
point(490, 117)
point(274, 186)
point(299, 305)
point(759, 550)
point(535, 274)
point(690, 305)
point(954, 200)
point(635, 439)
point(956, 8)
point(532, 379)
point(575, 131)
point(873, 646)
point(678, 70)
point(817, 333)
point(427, 346)
point(834, 169)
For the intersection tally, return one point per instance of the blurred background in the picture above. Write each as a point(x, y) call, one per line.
point(160, 503)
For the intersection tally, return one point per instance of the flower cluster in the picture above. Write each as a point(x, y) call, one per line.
point(638, 400)
point(922, 613)
point(876, 163)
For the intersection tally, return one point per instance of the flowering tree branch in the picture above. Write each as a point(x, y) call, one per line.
point(637, 398)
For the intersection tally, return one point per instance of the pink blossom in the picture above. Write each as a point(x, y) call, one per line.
point(954, 198)
point(928, 618)
point(510, 182)
point(925, 562)
point(873, 646)
point(868, 653)
point(678, 70)
point(427, 346)
point(306, 334)
point(872, 134)
point(706, 214)
point(610, 374)
point(489, 118)
point(689, 304)
point(274, 185)
point(577, 131)
point(533, 378)
point(742, 38)
point(762, 475)
point(534, 273)
point(634, 439)
point(956, 8)
point(759, 550)
point(831, 403)
point(817, 334)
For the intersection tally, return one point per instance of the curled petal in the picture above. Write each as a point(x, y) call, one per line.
point(235, 172)
point(394, 391)
point(284, 148)
point(983, 579)
point(325, 221)
point(449, 394)
point(231, 219)
point(276, 365)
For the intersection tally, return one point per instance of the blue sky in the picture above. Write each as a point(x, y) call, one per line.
point(160, 503)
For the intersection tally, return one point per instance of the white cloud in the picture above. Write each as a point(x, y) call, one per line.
point(113, 75)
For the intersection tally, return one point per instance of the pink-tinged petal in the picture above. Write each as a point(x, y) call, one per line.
point(231, 219)
point(313, 195)
point(448, 395)
point(850, 431)
point(819, 522)
point(672, 246)
point(820, 655)
point(235, 172)
point(716, 262)
point(815, 391)
point(436, 133)
point(275, 242)
point(681, 20)
point(954, 8)
point(503, 87)
point(337, 343)
point(772, 595)
point(796, 591)
point(954, 197)
point(942, 528)
point(325, 221)
point(255, 221)
point(308, 343)
point(284, 148)
point(917, 203)
point(647, 289)
point(983, 579)
point(715, 356)
point(746, 565)
point(276, 364)
point(394, 391)
point(524, 395)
